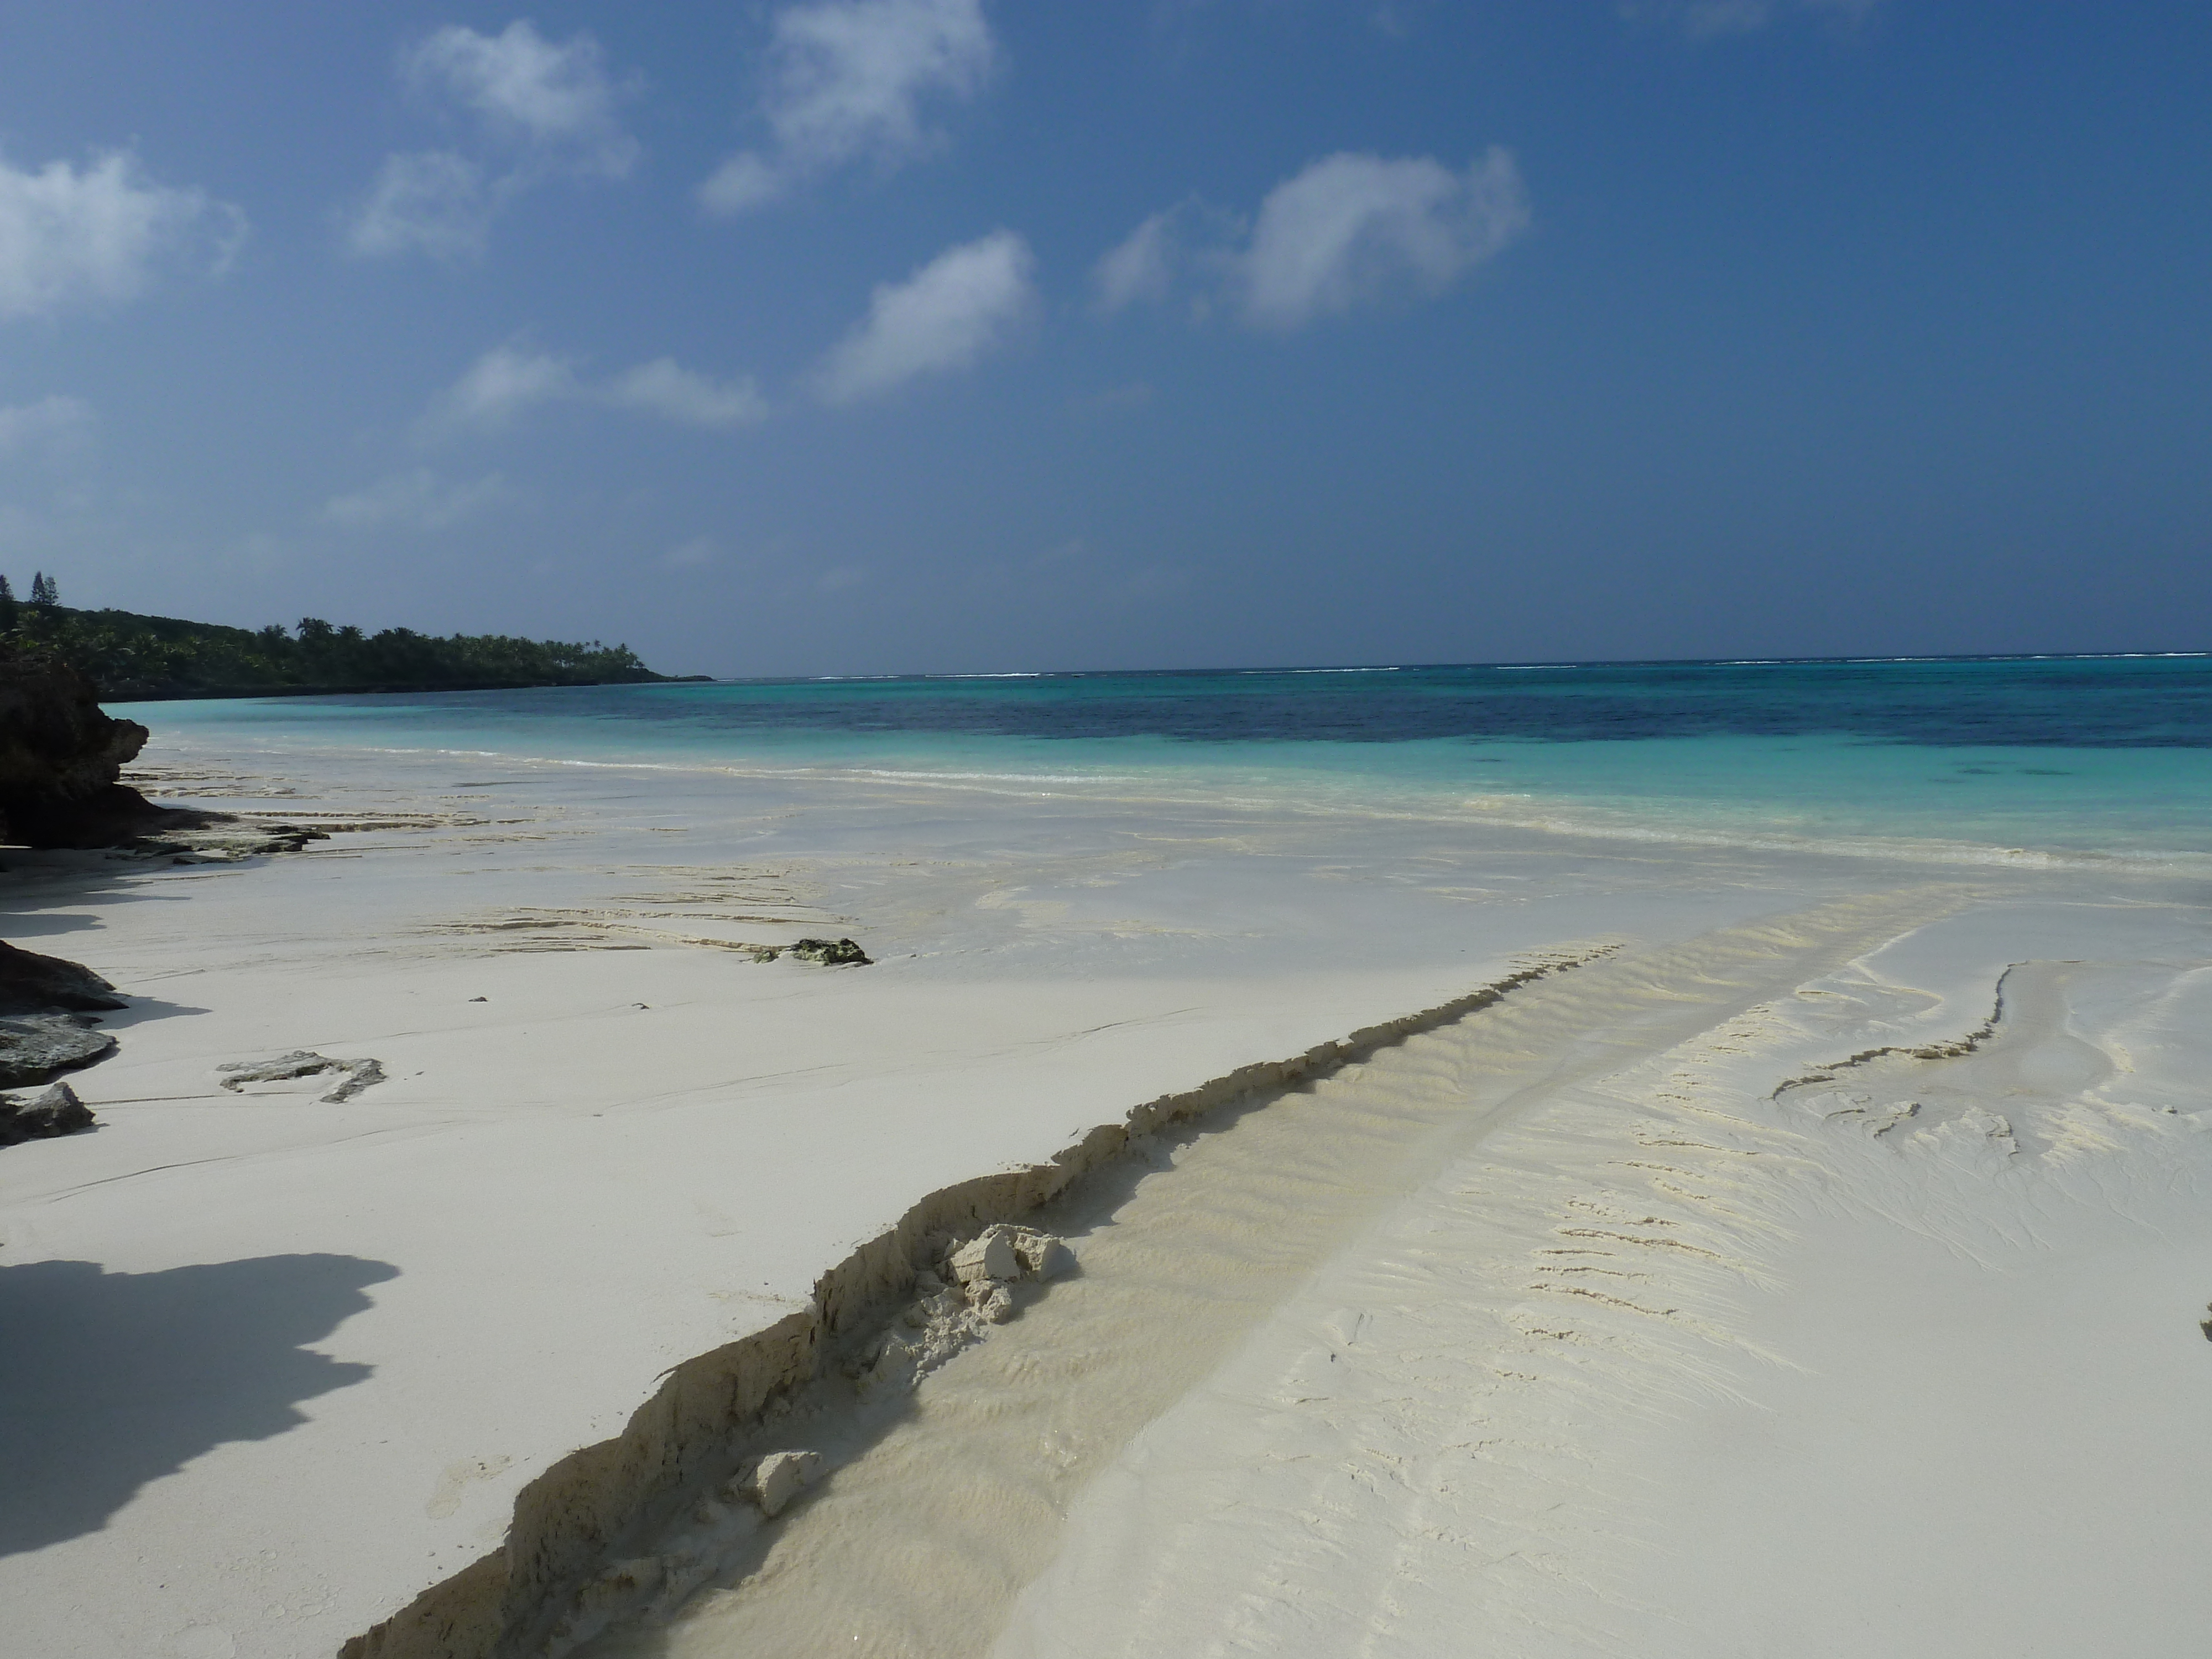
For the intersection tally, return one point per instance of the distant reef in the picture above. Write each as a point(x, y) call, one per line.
point(132, 657)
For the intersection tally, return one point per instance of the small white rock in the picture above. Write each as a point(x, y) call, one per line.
point(990, 1256)
point(1044, 1257)
point(781, 1476)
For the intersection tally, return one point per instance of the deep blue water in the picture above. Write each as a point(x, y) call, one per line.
point(1950, 756)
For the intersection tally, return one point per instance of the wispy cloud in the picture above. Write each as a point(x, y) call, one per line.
point(509, 380)
point(847, 80)
point(416, 500)
point(71, 235)
point(553, 102)
point(662, 387)
point(496, 387)
point(1711, 17)
point(1140, 267)
point(1348, 230)
point(48, 422)
point(1355, 228)
point(432, 202)
point(947, 314)
point(534, 109)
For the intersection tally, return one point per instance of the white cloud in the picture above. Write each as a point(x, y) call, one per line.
point(510, 379)
point(50, 420)
point(419, 500)
point(537, 109)
point(1140, 268)
point(1711, 17)
point(432, 202)
point(662, 388)
point(70, 235)
point(845, 82)
point(944, 316)
point(498, 386)
point(694, 555)
point(1346, 230)
point(557, 101)
point(1352, 227)
point(743, 181)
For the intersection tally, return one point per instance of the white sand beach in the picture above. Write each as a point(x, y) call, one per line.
point(1810, 1259)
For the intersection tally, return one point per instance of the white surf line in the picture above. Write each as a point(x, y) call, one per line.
point(940, 1507)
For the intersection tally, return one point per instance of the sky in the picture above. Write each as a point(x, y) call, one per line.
point(911, 336)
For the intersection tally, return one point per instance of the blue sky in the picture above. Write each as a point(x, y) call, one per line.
point(913, 335)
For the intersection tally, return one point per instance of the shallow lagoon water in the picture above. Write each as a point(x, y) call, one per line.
point(1957, 760)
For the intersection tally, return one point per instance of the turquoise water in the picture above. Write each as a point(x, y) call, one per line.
point(1958, 759)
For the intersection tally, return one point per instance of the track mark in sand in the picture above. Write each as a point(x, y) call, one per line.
point(930, 1522)
point(1512, 1410)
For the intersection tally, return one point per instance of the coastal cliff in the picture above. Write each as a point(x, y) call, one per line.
point(60, 756)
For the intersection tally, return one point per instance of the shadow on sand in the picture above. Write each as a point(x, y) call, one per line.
point(108, 1381)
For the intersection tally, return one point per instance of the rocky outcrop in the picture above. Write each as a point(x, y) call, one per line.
point(56, 1112)
point(60, 754)
point(355, 1075)
point(32, 984)
point(34, 1048)
point(45, 1018)
point(48, 1018)
point(831, 952)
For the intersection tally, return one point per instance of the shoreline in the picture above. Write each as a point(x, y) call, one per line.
point(616, 1170)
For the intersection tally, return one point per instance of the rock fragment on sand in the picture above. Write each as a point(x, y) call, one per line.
point(780, 1477)
point(972, 1288)
point(359, 1075)
point(57, 1111)
point(33, 1048)
point(32, 984)
point(991, 1256)
point(1042, 1256)
point(1003, 1252)
point(831, 952)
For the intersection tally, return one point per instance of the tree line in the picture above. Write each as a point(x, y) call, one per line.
point(132, 656)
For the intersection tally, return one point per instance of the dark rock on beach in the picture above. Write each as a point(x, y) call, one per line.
point(35, 1047)
point(46, 1023)
point(831, 952)
point(355, 1075)
point(32, 984)
point(60, 756)
point(57, 1111)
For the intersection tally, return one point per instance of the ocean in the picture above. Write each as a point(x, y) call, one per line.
point(2048, 760)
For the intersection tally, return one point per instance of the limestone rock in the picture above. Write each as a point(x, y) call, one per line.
point(33, 1046)
point(780, 1477)
point(991, 1256)
point(61, 756)
point(59, 751)
point(359, 1075)
point(831, 952)
point(1042, 1256)
point(32, 984)
point(57, 1111)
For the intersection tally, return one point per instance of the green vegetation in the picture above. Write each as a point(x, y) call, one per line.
point(130, 657)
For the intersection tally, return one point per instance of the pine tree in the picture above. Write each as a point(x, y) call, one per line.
point(7, 607)
point(43, 591)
